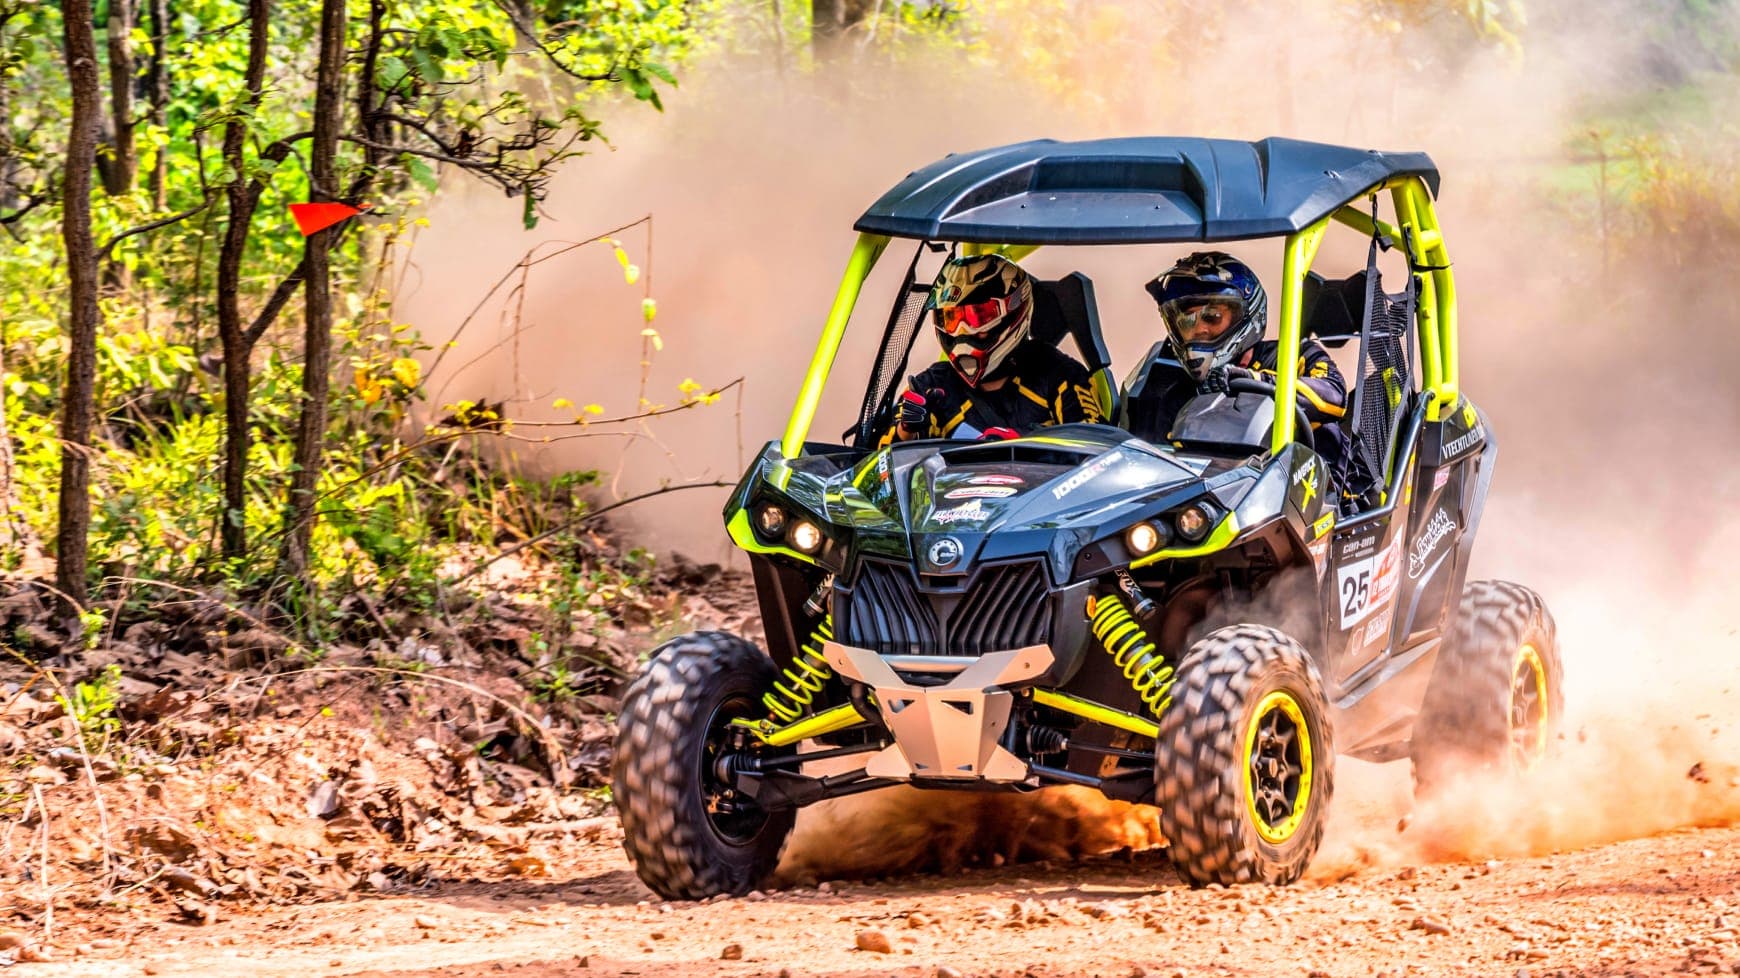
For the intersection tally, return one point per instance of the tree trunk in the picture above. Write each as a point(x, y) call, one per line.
point(317, 295)
point(157, 85)
point(120, 166)
point(77, 404)
point(238, 347)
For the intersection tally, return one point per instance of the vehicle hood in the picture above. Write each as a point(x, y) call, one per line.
point(1046, 494)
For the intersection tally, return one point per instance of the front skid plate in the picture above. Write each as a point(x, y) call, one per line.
point(947, 731)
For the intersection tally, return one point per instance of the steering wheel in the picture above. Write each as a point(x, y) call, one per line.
point(1301, 425)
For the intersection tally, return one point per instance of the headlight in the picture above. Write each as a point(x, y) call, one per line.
point(806, 536)
point(770, 520)
point(1194, 523)
point(1144, 538)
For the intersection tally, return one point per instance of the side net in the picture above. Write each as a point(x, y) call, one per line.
point(904, 324)
point(1386, 379)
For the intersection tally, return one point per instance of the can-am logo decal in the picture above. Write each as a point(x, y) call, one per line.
point(1456, 447)
point(968, 511)
point(980, 492)
point(1087, 472)
point(996, 479)
point(1437, 528)
point(944, 552)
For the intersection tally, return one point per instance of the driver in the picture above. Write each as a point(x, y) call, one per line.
point(995, 378)
point(1216, 313)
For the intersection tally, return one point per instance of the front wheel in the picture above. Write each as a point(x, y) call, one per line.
point(1496, 695)
point(689, 835)
point(1244, 760)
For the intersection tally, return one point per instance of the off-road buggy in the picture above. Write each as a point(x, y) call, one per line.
point(1200, 621)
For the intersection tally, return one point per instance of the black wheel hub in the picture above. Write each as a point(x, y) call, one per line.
point(735, 817)
point(1526, 710)
point(1276, 768)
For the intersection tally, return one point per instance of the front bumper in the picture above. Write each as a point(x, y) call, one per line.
point(948, 731)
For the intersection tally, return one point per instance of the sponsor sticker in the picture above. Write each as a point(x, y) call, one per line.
point(1324, 524)
point(1366, 585)
point(1306, 476)
point(996, 479)
point(1457, 446)
point(980, 492)
point(973, 510)
point(1426, 544)
point(1086, 472)
point(1319, 551)
point(1439, 478)
point(1379, 628)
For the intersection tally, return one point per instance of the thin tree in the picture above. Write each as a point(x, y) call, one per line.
point(317, 294)
point(84, 315)
point(244, 197)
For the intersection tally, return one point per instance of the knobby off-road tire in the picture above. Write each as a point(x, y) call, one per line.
point(1244, 763)
point(673, 718)
point(1496, 694)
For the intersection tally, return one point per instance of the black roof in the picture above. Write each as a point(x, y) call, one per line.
point(1133, 190)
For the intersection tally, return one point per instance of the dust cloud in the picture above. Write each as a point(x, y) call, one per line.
point(1605, 371)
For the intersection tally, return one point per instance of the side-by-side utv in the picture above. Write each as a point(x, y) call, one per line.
point(1197, 614)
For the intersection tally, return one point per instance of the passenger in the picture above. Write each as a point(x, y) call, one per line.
point(996, 379)
point(1216, 313)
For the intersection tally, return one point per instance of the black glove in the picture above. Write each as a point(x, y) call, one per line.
point(914, 414)
point(1219, 379)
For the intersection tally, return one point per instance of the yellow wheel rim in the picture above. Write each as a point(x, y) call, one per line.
point(1277, 763)
point(1530, 718)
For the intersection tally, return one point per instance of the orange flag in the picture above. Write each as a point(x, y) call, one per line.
point(318, 217)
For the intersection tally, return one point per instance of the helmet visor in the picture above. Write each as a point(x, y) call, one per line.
point(970, 318)
point(1194, 320)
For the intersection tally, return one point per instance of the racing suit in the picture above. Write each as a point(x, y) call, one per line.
point(1044, 387)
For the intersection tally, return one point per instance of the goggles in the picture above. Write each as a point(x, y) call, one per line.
point(1194, 319)
point(968, 319)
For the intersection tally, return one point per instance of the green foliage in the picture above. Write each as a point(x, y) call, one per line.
point(92, 705)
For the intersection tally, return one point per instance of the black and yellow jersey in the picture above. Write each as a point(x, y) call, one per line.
point(1045, 387)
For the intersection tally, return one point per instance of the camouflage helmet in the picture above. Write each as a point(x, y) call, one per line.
point(981, 307)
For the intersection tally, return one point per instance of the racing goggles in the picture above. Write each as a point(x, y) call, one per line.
point(1198, 319)
point(969, 319)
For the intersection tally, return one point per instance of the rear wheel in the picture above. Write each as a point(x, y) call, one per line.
point(689, 834)
point(1244, 760)
point(1496, 694)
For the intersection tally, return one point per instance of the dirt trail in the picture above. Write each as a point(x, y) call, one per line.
point(1668, 904)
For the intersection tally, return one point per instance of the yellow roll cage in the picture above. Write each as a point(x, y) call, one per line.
point(1416, 230)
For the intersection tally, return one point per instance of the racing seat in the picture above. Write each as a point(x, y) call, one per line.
point(1066, 307)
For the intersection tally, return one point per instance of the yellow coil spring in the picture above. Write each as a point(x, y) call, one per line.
point(804, 678)
point(1128, 644)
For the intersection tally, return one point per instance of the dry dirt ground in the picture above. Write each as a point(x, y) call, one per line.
point(1668, 903)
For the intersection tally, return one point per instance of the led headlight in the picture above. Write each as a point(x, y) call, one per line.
point(806, 536)
point(1144, 538)
point(770, 520)
point(1193, 523)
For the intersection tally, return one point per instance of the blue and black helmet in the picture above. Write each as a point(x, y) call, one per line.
point(1214, 308)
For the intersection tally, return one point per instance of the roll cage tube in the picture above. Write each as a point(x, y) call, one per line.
point(1301, 248)
point(864, 255)
point(1435, 319)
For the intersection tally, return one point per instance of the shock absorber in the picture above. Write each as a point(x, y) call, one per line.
point(797, 687)
point(1132, 652)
